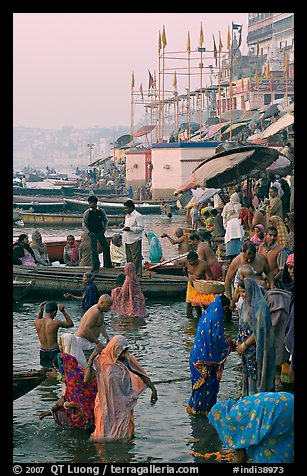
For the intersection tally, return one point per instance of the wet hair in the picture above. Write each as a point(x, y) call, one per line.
point(22, 236)
point(194, 236)
point(192, 255)
point(204, 235)
point(226, 302)
point(51, 306)
point(129, 204)
point(214, 212)
point(120, 278)
point(89, 275)
point(274, 188)
point(271, 228)
point(206, 213)
point(179, 230)
point(70, 236)
point(92, 199)
point(248, 246)
point(241, 284)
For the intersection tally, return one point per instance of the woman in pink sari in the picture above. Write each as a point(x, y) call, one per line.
point(129, 300)
point(120, 380)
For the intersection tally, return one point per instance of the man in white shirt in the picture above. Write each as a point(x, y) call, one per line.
point(132, 236)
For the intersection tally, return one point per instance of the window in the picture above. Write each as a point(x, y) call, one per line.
point(266, 99)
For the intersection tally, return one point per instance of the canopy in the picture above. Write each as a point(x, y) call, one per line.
point(235, 128)
point(282, 166)
point(142, 131)
point(231, 167)
point(123, 140)
point(235, 114)
point(284, 121)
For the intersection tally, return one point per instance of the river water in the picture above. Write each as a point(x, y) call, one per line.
point(165, 432)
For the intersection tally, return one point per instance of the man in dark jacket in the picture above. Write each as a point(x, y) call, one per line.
point(95, 223)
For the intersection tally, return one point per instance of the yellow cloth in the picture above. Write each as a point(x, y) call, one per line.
point(118, 254)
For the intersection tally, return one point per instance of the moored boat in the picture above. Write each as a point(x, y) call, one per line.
point(41, 207)
point(49, 280)
point(67, 219)
point(26, 380)
point(114, 208)
point(21, 289)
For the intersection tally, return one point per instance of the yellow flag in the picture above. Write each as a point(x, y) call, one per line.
point(267, 71)
point(286, 63)
point(164, 42)
point(159, 42)
point(201, 35)
point(175, 81)
point(189, 43)
point(228, 39)
point(230, 89)
point(220, 43)
point(256, 77)
point(132, 81)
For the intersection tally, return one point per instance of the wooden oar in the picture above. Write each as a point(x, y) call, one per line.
point(168, 261)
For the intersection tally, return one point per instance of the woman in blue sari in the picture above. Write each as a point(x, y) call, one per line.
point(207, 357)
point(256, 341)
point(259, 427)
point(155, 248)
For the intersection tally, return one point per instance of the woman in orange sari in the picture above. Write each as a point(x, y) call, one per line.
point(120, 380)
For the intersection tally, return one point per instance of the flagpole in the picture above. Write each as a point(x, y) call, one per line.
point(219, 88)
point(159, 90)
point(230, 83)
point(286, 74)
point(163, 59)
point(132, 114)
point(189, 88)
point(201, 40)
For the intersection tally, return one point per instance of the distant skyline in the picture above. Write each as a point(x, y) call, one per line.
point(75, 69)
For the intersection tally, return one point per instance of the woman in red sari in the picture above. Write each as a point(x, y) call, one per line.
point(120, 380)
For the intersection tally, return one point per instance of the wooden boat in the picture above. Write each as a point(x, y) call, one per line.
point(20, 289)
point(49, 280)
point(113, 208)
point(62, 182)
point(67, 219)
point(55, 246)
point(27, 191)
point(43, 207)
point(26, 380)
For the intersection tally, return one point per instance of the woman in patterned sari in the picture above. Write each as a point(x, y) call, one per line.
point(207, 357)
point(259, 427)
point(256, 341)
point(75, 409)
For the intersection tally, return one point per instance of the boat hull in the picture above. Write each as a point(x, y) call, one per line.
point(21, 289)
point(26, 380)
point(66, 219)
point(48, 281)
point(113, 208)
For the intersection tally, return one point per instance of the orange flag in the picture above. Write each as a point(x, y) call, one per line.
point(189, 43)
point(201, 35)
point(220, 43)
point(256, 77)
point(286, 63)
point(164, 42)
point(175, 81)
point(228, 39)
point(267, 71)
point(159, 42)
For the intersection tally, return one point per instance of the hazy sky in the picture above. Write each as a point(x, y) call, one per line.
point(75, 69)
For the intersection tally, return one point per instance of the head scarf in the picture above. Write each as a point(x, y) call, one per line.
point(129, 300)
point(84, 394)
point(118, 390)
point(290, 259)
point(155, 249)
point(262, 423)
point(256, 313)
point(281, 228)
point(74, 251)
point(37, 242)
point(255, 239)
point(70, 345)
point(208, 354)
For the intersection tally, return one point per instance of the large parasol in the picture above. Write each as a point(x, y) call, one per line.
point(142, 131)
point(231, 167)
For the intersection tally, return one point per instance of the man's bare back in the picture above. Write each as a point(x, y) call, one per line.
point(47, 326)
point(92, 322)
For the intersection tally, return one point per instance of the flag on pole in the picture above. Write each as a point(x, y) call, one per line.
point(159, 42)
point(175, 81)
point(286, 63)
point(201, 35)
point(256, 77)
point(228, 39)
point(242, 84)
point(235, 26)
point(220, 43)
point(214, 50)
point(248, 85)
point(267, 70)
point(141, 91)
point(189, 43)
point(132, 81)
point(155, 80)
point(257, 49)
point(164, 42)
point(240, 37)
point(150, 81)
